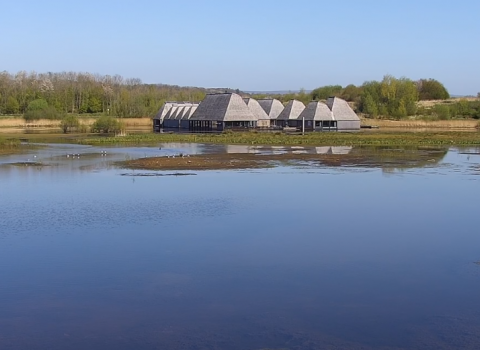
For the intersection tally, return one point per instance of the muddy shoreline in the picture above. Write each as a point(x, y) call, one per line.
point(256, 161)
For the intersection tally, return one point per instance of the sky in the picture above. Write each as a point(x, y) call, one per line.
point(252, 45)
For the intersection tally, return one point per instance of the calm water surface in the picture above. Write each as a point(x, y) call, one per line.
point(293, 257)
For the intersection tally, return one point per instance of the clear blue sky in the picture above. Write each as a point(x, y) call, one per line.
point(250, 45)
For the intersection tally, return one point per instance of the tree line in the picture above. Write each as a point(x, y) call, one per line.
point(85, 93)
point(53, 95)
point(390, 98)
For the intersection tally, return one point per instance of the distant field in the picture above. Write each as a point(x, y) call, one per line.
point(431, 103)
point(18, 122)
point(422, 124)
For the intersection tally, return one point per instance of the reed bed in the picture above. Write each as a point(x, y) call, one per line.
point(9, 145)
point(424, 124)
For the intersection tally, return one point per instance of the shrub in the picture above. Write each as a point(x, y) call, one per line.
point(442, 111)
point(69, 123)
point(107, 125)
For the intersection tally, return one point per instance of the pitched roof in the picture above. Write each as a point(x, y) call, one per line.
point(341, 109)
point(223, 107)
point(171, 113)
point(164, 110)
point(256, 109)
point(272, 107)
point(316, 110)
point(188, 113)
point(292, 110)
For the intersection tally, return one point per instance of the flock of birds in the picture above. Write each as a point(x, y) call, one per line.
point(103, 153)
point(77, 155)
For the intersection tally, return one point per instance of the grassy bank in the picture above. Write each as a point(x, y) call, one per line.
point(313, 139)
point(9, 145)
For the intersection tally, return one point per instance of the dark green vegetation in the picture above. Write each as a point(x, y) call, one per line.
point(39, 109)
point(313, 139)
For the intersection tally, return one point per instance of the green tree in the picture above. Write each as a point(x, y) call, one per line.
point(369, 105)
point(324, 92)
point(39, 109)
point(431, 89)
point(12, 106)
point(37, 105)
point(351, 93)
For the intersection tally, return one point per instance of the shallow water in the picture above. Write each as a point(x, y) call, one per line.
point(293, 257)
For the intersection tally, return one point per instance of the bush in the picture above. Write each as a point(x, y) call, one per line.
point(107, 125)
point(69, 123)
point(442, 112)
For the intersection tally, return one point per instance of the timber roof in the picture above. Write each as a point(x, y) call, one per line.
point(223, 107)
point(341, 109)
point(292, 110)
point(316, 110)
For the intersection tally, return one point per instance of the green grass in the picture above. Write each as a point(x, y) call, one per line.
point(312, 139)
point(362, 138)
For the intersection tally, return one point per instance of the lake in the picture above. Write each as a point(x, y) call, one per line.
point(299, 256)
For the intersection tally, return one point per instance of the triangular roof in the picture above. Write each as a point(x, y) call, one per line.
point(172, 112)
point(256, 109)
point(190, 111)
point(164, 110)
point(316, 110)
point(223, 107)
point(341, 109)
point(292, 110)
point(185, 108)
point(272, 107)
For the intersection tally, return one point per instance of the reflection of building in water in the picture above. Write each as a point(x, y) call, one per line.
point(333, 150)
point(341, 149)
point(241, 149)
point(322, 150)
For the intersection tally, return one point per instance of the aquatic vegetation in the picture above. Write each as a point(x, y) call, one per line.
point(9, 145)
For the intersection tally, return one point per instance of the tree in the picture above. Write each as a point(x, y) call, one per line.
point(369, 105)
point(431, 89)
point(39, 109)
point(324, 92)
point(390, 97)
point(37, 105)
point(69, 122)
point(12, 106)
point(351, 93)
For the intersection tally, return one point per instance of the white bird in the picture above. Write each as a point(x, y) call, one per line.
point(68, 155)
